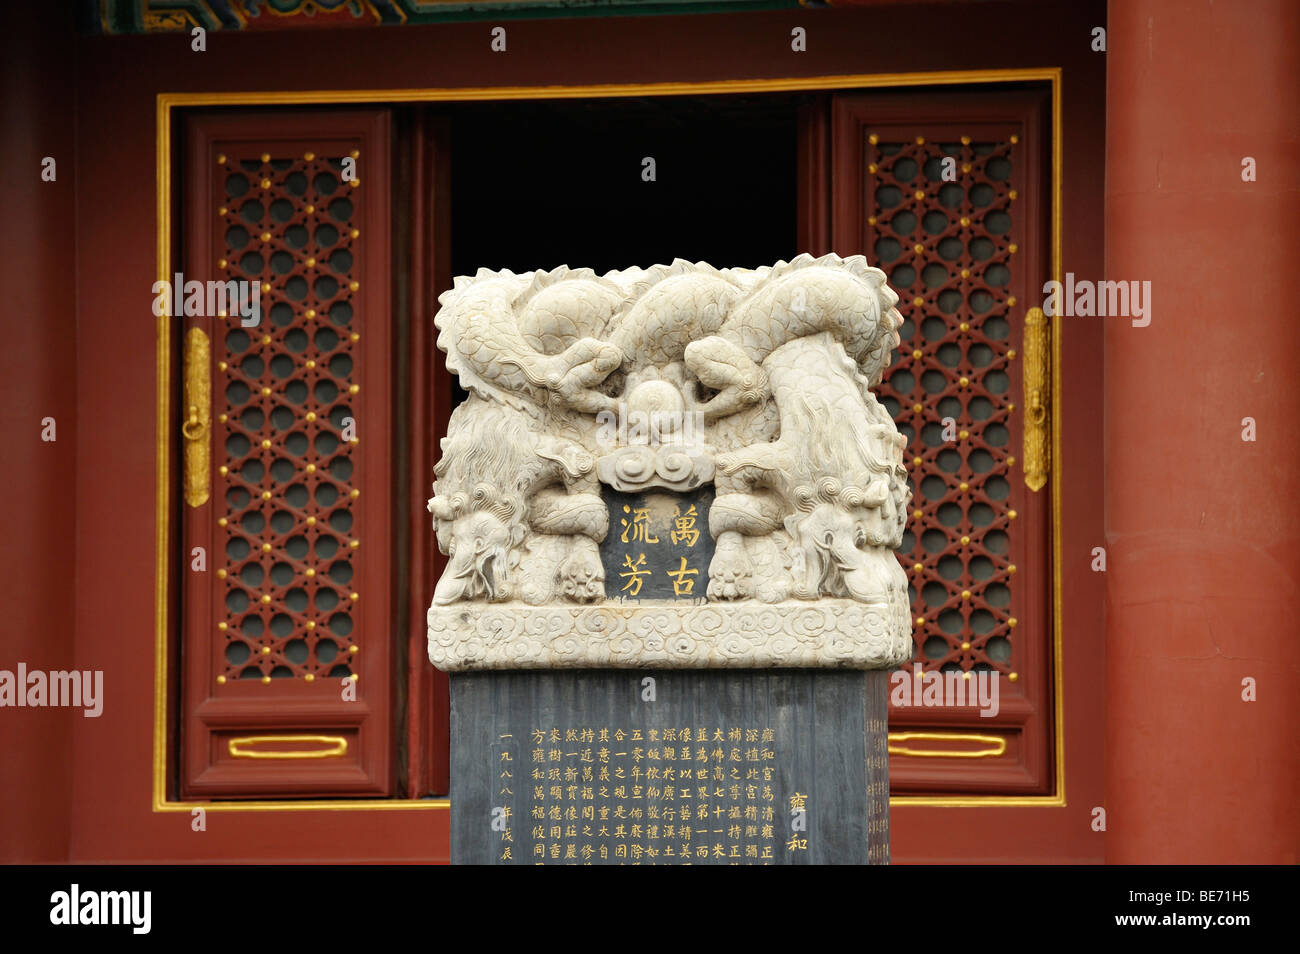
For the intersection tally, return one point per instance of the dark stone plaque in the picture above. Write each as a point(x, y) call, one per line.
point(778, 766)
point(658, 545)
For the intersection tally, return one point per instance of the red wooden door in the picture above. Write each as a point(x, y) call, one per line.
point(948, 194)
point(286, 685)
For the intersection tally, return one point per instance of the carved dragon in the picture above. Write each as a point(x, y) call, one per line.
point(814, 335)
point(530, 340)
point(810, 484)
point(525, 347)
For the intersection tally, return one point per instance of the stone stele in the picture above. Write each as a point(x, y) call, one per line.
point(754, 382)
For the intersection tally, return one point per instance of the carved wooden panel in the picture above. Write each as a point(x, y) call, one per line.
point(287, 645)
point(946, 195)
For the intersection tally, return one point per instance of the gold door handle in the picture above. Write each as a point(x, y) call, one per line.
point(196, 427)
point(192, 429)
point(1038, 399)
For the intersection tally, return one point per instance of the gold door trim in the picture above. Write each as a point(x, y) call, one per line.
point(995, 745)
point(166, 102)
point(246, 747)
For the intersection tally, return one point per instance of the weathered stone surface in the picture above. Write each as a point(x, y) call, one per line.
point(521, 794)
point(746, 387)
point(826, 634)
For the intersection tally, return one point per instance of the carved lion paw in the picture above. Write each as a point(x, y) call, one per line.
point(581, 576)
point(731, 575)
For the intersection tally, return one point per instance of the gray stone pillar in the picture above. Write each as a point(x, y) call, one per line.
point(670, 506)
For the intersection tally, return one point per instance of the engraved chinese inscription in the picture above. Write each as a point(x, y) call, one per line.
point(665, 767)
point(658, 545)
point(646, 795)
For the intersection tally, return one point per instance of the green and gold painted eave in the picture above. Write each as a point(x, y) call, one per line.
point(171, 16)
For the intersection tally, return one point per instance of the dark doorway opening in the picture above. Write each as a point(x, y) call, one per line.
point(539, 184)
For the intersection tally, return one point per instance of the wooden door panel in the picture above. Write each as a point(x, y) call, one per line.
point(947, 193)
point(287, 635)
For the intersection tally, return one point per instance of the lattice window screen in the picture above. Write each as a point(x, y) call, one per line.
point(288, 639)
point(949, 250)
point(290, 407)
